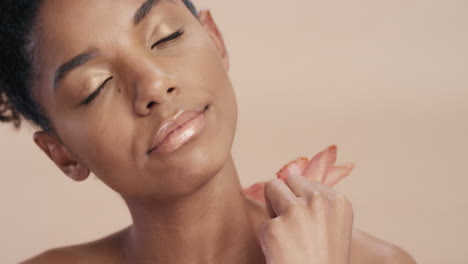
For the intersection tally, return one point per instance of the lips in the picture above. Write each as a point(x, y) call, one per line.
point(173, 124)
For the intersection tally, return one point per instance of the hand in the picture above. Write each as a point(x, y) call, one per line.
point(311, 223)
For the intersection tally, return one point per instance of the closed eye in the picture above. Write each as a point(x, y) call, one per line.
point(92, 96)
point(173, 36)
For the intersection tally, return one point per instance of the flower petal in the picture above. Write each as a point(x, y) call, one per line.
point(337, 173)
point(293, 167)
point(255, 192)
point(318, 166)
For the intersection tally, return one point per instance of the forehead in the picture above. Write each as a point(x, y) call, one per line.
point(67, 27)
point(60, 19)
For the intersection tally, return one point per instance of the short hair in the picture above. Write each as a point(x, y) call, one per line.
point(17, 20)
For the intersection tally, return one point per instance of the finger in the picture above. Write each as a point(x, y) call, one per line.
point(337, 173)
point(303, 187)
point(320, 163)
point(278, 197)
point(270, 210)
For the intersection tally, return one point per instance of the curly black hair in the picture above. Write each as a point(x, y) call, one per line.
point(17, 20)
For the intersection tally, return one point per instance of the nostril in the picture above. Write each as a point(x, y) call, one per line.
point(150, 105)
point(170, 90)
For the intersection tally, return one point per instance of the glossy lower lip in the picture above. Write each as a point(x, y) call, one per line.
point(181, 135)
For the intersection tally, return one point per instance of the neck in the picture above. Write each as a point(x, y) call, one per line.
point(214, 224)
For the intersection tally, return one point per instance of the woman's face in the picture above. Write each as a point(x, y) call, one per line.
point(136, 72)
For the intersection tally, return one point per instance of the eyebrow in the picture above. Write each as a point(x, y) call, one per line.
point(72, 64)
point(143, 11)
point(88, 55)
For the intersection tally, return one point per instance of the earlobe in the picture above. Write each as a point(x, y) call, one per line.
point(215, 34)
point(58, 153)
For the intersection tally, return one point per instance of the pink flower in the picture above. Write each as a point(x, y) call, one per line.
point(321, 168)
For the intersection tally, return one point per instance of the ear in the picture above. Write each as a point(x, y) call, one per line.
point(210, 26)
point(59, 154)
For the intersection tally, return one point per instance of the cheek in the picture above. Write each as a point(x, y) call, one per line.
point(222, 93)
point(204, 72)
point(102, 141)
point(206, 68)
point(216, 79)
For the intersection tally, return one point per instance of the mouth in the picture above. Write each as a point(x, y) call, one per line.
point(178, 130)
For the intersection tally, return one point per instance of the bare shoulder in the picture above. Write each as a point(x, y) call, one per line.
point(104, 250)
point(368, 249)
point(54, 256)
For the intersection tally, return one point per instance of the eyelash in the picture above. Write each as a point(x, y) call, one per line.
point(173, 36)
point(91, 97)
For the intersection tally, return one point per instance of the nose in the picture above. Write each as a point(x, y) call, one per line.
point(153, 86)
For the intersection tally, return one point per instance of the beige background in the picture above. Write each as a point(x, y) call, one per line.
point(387, 81)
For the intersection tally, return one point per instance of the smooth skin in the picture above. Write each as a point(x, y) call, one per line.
point(180, 202)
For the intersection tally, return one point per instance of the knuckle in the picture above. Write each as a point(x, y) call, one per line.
point(295, 210)
point(293, 178)
point(319, 203)
point(321, 186)
point(312, 194)
point(316, 194)
point(272, 184)
point(271, 230)
point(341, 198)
point(345, 203)
point(318, 198)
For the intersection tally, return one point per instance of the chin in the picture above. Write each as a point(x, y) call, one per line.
point(194, 169)
point(197, 162)
point(188, 168)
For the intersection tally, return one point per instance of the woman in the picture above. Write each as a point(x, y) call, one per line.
point(137, 92)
